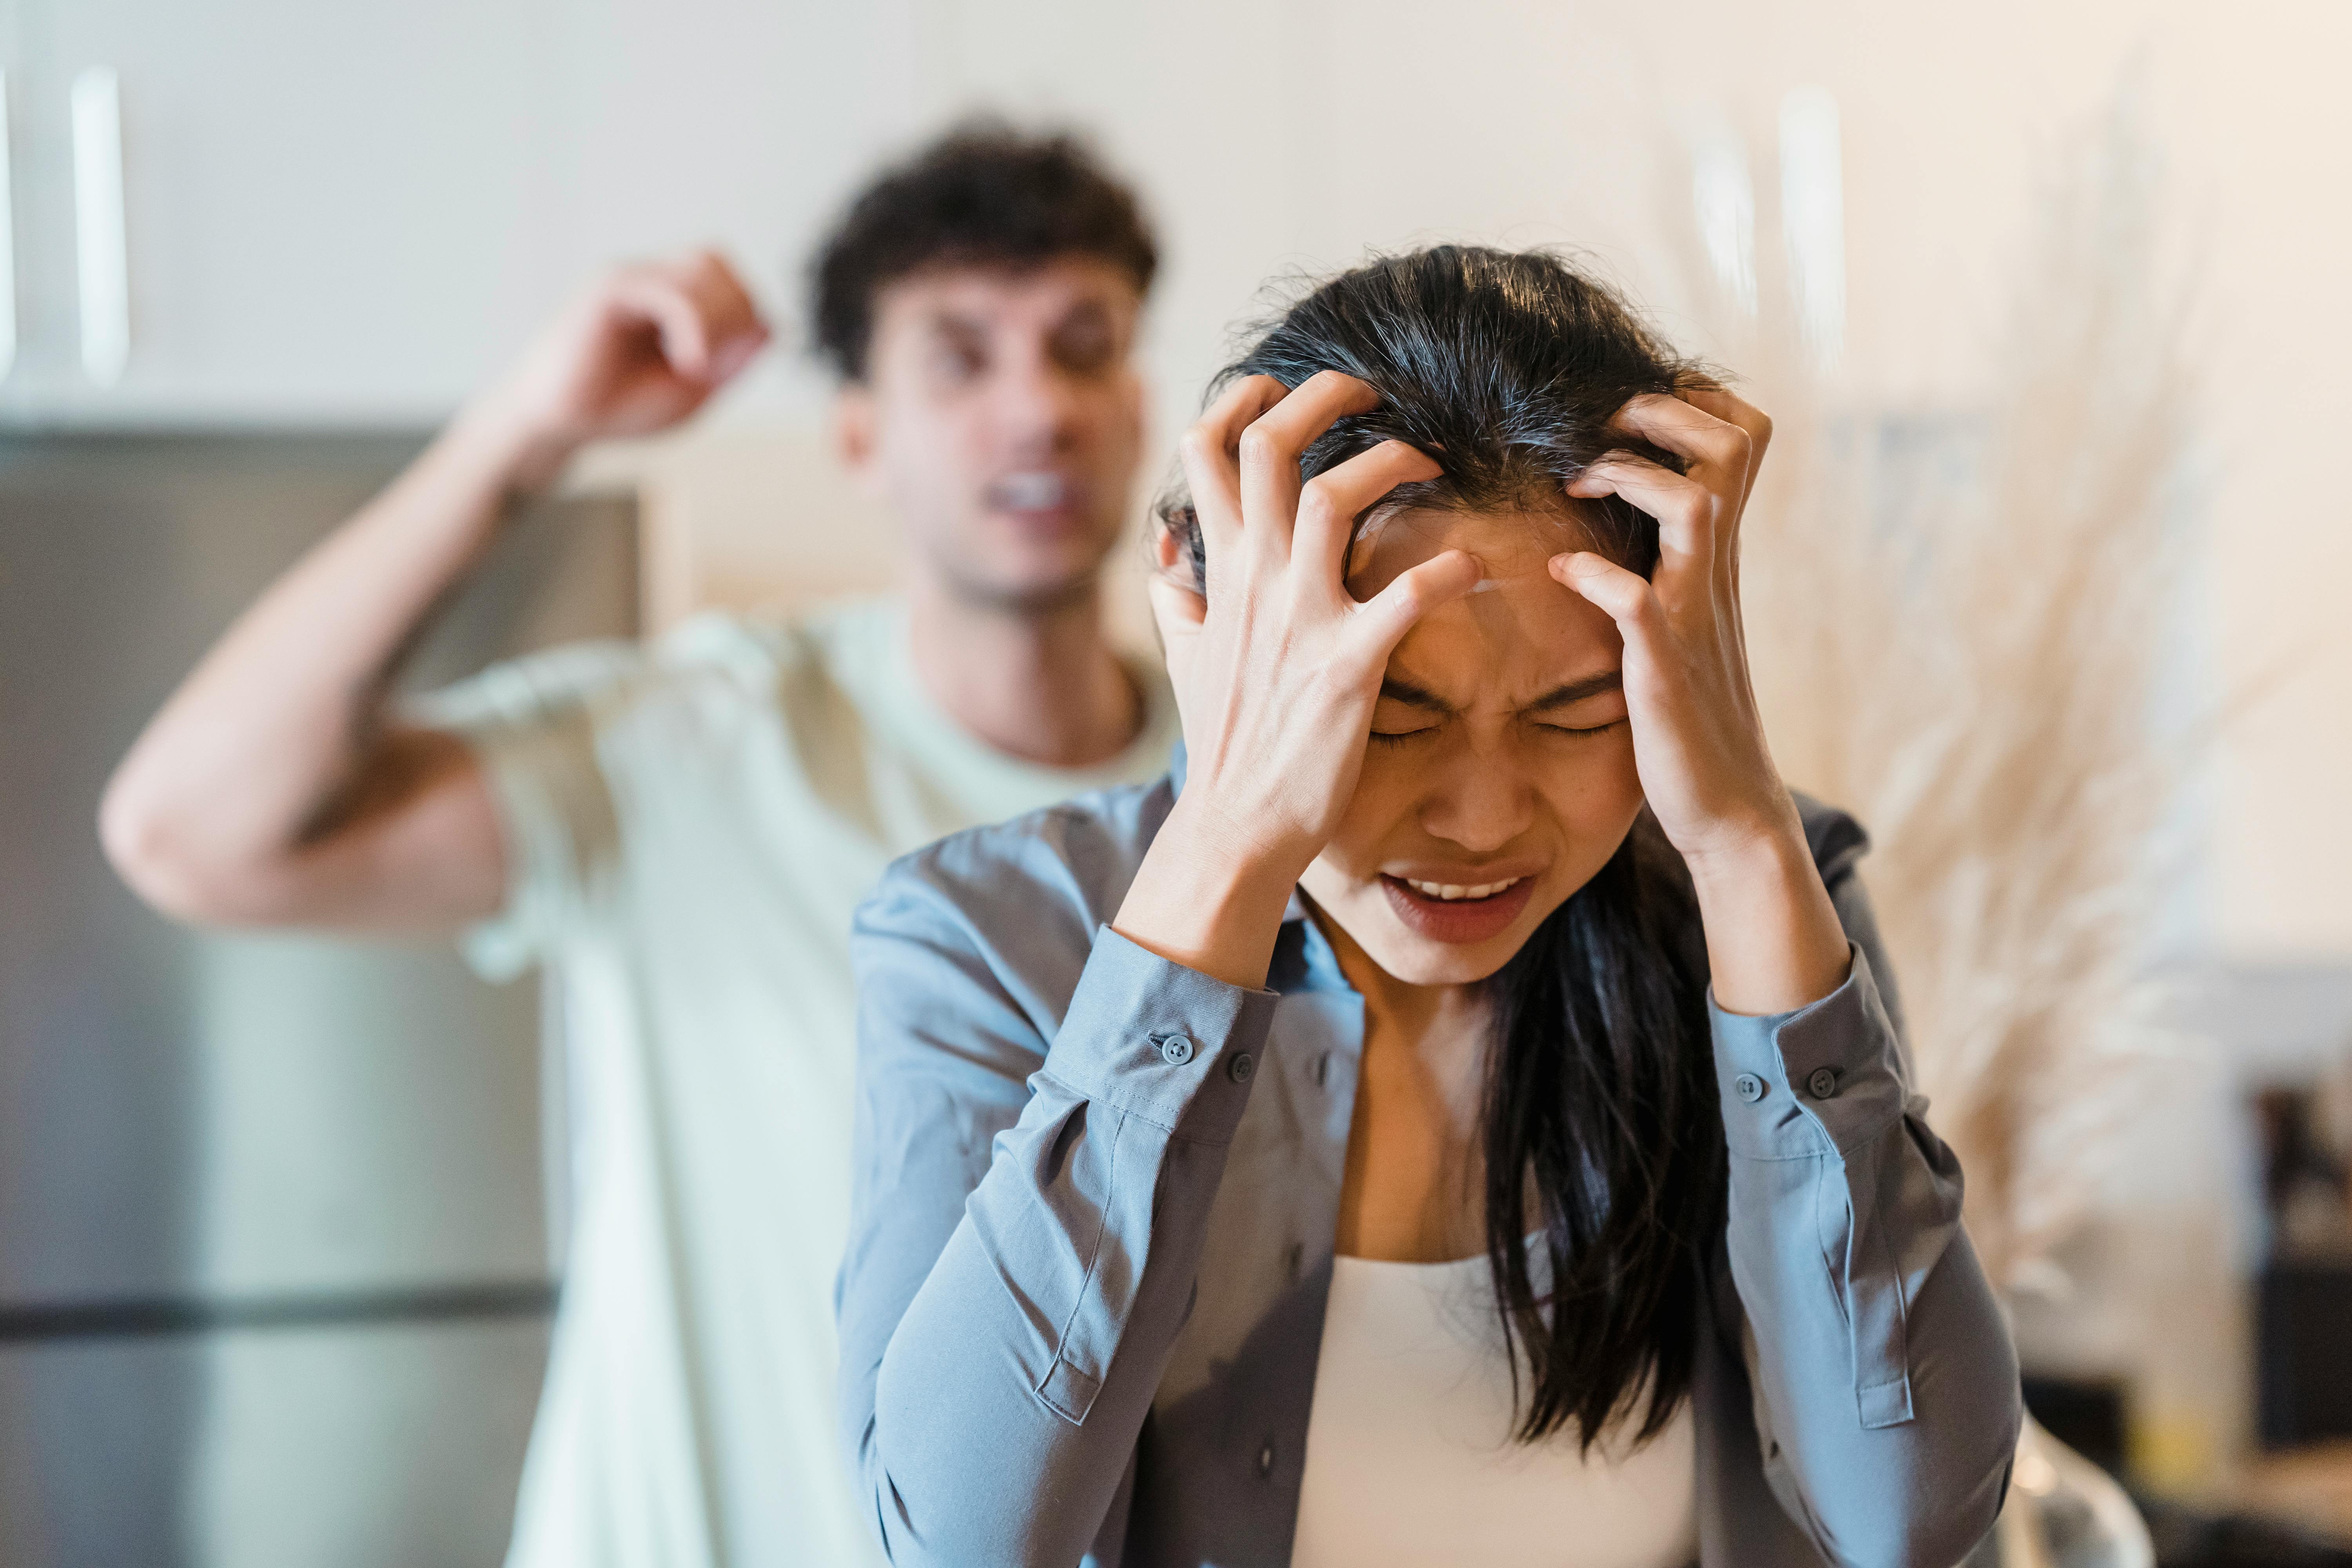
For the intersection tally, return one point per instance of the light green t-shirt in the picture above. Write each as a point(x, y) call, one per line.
point(689, 826)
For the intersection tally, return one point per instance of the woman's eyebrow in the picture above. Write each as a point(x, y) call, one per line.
point(1578, 691)
point(1411, 696)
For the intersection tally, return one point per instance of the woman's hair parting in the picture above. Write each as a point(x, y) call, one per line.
point(1602, 1130)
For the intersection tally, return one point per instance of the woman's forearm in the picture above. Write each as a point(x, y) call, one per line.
point(1208, 897)
point(1773, 940)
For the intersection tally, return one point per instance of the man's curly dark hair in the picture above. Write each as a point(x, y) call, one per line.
point(984, 194)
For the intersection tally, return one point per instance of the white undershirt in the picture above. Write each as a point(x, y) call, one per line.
point(1410, 1457)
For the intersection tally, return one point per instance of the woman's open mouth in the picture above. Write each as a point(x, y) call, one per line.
point(1458, 911)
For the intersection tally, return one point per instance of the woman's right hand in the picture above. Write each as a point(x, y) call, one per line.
point(1276, 670)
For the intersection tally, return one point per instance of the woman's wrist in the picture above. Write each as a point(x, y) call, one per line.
point(1774, 941)
point(1209, 896)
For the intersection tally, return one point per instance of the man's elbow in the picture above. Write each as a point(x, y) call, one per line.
point(151, 852)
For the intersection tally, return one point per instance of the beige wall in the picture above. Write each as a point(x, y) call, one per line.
point(1273, 135)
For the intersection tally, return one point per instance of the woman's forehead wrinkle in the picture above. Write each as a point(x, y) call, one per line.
point(1500, 650)
point(1520, 635)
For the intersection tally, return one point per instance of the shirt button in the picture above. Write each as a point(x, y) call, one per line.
point(1176, 1050)
point(1265, 1460)
point(1823, 1083)
point(1241, 1066)
point(1748, 1087)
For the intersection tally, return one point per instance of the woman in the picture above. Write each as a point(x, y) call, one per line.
point(1457, 1115)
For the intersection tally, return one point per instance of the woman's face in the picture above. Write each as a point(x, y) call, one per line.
point(1500, 758)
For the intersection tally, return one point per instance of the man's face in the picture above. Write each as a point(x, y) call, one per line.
point(1002, 419)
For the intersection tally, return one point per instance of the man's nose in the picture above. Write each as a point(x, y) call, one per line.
point(1039, 404)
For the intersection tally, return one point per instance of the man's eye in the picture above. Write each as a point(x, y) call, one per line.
point(1586, 732)
point(1083, 352)
point(1398, 737)
point(959, 363)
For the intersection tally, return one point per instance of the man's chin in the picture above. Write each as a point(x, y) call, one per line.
point(1028, 593)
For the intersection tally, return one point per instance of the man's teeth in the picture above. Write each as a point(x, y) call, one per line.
point(1452, 890)
point(1029, 492)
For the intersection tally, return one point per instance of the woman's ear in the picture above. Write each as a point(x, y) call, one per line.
point(1178, 610)
point(1176, 551)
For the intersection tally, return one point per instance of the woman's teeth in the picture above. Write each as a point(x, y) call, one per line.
point(1450, 891)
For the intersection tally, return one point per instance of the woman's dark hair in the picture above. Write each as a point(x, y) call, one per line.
point(1601, 1132)
point(984, 194)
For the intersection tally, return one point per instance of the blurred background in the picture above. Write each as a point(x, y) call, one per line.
point(278, 1218)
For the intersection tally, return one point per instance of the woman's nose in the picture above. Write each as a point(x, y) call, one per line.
point(1482, 801)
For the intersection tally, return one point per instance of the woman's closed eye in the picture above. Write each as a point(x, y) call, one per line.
point(1581, 709)
point(1400, 734)
point(1584, 731)
point(1406, 712)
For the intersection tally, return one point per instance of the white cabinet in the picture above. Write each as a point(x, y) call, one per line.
point(339, 212)
point(332, 212)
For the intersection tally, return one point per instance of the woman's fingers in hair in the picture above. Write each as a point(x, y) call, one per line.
point(1712, 446)
point(1709, 398)
point(1684, 506)
point(1330, 502)
point(1381, 622)
point(1721, 454)
point(1270, 448)
point(1209, 455)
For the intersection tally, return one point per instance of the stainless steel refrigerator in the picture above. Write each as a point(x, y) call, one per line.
point(275, 1244)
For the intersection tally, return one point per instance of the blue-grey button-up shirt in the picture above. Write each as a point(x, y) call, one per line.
point(1096, 1193)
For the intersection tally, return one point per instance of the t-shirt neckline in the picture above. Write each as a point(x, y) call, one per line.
point(918, 720)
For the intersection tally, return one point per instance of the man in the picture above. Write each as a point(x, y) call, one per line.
point(684, 830)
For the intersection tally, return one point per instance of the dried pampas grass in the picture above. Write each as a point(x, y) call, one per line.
point(1966, 630)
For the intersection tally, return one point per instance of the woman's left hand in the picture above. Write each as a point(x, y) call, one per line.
point(1698, 741)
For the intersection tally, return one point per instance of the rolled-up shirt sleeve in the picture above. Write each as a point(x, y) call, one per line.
point(1887, 1402)
point(1031, 1196)
point(535, 725)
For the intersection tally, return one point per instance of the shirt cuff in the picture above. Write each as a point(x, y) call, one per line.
point(1148, 1037)
point(1822, 1079)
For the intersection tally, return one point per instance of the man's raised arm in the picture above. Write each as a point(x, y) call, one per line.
point(274, 787)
